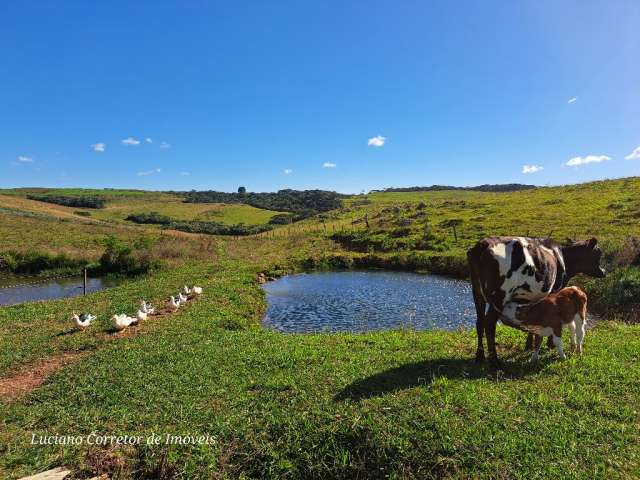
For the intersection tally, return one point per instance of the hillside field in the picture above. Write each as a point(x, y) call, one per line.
point(394, 404)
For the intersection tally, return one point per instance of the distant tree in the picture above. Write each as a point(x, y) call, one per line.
point(242, 190)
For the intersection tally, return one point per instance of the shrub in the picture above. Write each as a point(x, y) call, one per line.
point(616, 294)
point(120, 257)
point(82, 202)
point(281, 219)
point(82, 213)
point(32, 262)
point(153, 218)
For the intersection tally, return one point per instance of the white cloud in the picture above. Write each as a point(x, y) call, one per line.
point(531, 168)
point(635, 155)
point(130, 141)
point(148, 140)
point(577, 161)
point(288, 171)
point(25, 159)
point(328, 165)
point(185, 174)
point(98, 147)
point(377, 141)
point(165, 145)
point(148, 172)
point(572, 100)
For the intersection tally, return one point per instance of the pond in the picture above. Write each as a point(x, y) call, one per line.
point(15, 289)
point(364, 301)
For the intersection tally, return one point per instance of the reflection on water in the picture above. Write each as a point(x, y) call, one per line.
point(14, 290)
point(363, 301)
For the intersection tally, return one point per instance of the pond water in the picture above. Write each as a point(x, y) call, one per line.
point(15, 289)
point(364, 301)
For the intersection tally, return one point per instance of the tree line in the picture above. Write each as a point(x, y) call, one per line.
point(505, 187)
point(303, 203)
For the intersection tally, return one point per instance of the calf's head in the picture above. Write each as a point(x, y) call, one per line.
point(584, 257)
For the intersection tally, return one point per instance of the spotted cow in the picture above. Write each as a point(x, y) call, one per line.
point(522, 270)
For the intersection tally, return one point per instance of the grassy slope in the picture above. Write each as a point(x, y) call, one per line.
point(396, 404)
point(121, 203)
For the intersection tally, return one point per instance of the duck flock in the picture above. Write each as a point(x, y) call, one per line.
point(121, 321)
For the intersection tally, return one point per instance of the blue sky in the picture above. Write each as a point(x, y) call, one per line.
point(337, 95)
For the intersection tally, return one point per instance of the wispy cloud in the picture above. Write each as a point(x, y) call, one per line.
point(148, 172)
point(531, 168)
point(288, 171)
point(572, 100)
point(635, 155)
point(185, 174)
point(328, 165)
point(577, 161)
point(130, 141)
point(148, 140)
point(24, 159)
point(165, 145)
point(377, 141)
point(98, 147)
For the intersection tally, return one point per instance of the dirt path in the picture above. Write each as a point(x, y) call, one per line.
point(30, 377)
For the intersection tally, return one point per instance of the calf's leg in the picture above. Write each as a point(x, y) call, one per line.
point(537, 341)
point(572, 329)
point(557, 341)
point(580, 332)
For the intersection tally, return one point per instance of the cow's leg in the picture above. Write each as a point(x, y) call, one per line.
point(580, 332)
point(537, 341)
point(550, 342)
point(490, 322)
point(530, 342)
point(481, 306)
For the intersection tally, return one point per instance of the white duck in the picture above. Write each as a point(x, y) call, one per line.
point(141, 316)
point(122, 321)
point(82, 321)
point(146, 308)
point(183, 298)
point(173, 303)
point(197, 290)
point(186, 290)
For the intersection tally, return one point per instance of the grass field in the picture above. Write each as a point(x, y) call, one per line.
point(396, 404)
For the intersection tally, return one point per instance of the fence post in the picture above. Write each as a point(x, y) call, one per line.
point(84, 284)
point(455, 234)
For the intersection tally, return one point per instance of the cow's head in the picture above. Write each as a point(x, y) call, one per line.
point(584, 257)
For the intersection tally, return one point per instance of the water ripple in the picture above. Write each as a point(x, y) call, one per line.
point(364, 301)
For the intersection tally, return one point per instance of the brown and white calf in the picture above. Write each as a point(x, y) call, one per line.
point(547, 317)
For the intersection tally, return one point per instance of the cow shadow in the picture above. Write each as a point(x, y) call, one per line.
point(424, 373)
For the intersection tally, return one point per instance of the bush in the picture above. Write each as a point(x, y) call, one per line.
point(82, 202)
point(618, 294)
point(120, 257)
point(32, 262)
point(82, 213)
point(281, 219)
point(153, 218)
